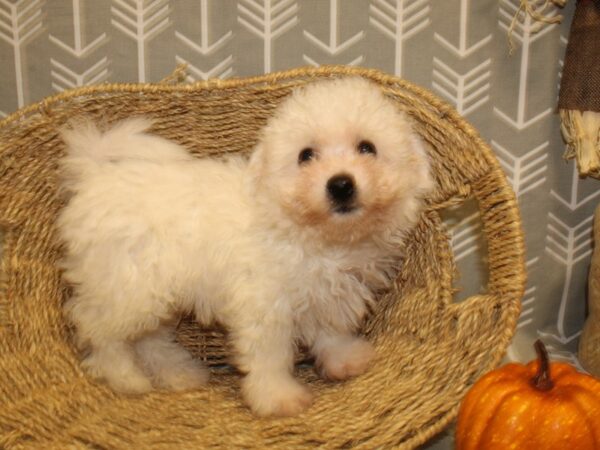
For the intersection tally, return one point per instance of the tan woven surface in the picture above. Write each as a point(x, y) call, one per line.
point(430, 350)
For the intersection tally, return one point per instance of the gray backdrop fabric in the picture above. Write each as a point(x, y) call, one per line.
point(456, 48)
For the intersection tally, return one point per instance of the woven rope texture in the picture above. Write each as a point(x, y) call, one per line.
point(430, 349)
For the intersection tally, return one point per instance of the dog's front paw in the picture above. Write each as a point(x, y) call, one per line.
point(275, 396)
point(346, 359)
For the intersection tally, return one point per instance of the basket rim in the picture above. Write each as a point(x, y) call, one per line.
point(445, 110)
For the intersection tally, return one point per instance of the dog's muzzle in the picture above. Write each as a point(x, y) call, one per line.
point(341, 191)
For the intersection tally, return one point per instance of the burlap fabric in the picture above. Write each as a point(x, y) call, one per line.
point(580, 82)
point(430, 349)
point(579, 97)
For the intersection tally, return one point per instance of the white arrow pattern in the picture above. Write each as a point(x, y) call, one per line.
point(462, 50)
point(204, 48)
point(568, 246)
point(399, 21)
point(572, 202)
point(557, 354)
point(65, 78)
point(20, 22)
point(267, 19)
point(142, 21)
point(333, 47)
point(464, 235)
point(468, 91)
point(79, 50)
point(526, 172)
point(526, 32)
point(224, 68)
point(528, 302)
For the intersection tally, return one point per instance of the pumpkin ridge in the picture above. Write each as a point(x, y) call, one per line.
point(576, 393)
point(480, 387)
point(584, 416)
point(486, 438)
point(564, 407)
point(530, 416)
point(475, 437)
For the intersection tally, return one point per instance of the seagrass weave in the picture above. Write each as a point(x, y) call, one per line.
point(430, 349)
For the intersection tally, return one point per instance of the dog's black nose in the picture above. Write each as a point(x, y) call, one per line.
point(340, 189)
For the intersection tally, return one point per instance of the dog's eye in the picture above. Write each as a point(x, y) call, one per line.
point(366, 147)
point(306, 155)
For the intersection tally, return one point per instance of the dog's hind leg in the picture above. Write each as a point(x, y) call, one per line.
point(108, 326)
point(170, 365)
point(114, 361)
point(339, 357)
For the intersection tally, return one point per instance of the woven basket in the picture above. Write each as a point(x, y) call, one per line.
point(430, 349)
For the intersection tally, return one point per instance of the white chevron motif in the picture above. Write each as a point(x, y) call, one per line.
point(20, 22)
point(65, 78)
point(464, 235)
point(267, 19)
point(141, 20)
point(528, 302)
point(526, 172)
point(557, 354)
point(572, 202)
point(468, 91)
point(333, 47)
point(526, 32)
point(399, 20)
point(204, 47)
point(568, 246)
point(79, 49)
point(462, 50)
point(222, 70)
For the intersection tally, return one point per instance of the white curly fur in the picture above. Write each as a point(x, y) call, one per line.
point(152, 232)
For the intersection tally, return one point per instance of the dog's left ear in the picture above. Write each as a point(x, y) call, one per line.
point(256, 163)
point(422, 166)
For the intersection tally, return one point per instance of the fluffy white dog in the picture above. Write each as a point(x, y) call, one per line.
point(289, 247)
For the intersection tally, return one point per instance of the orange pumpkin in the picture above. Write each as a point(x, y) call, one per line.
point(538, 406)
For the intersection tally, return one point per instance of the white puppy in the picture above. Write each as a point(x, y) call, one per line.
point(289, 247)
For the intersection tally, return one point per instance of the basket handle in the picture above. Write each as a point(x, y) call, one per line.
point(503, 231)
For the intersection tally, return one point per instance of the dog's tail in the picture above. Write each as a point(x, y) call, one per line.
point(86, 142)
point(89, 149)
